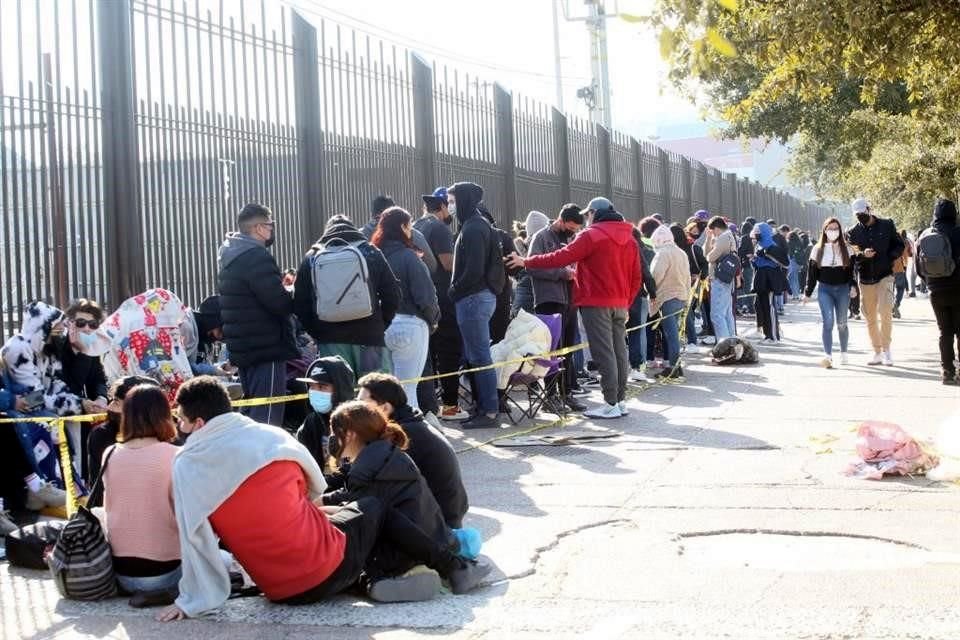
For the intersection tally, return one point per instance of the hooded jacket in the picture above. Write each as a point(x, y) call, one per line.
point(945, 221)
point(477, 255)
point(314, 433)
point(549, 285)
point(607, 259)
point(417, 295)
point(384, 292)
point(383, 471)
point(255, 307)
point(438, 463)
point(670, 268)
point(31, 367)
point(882, 237)
point(769, 261)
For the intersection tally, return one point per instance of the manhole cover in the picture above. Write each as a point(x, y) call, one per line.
point(802, 552)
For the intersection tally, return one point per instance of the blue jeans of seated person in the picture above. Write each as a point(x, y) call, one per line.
point(637, 339)
point(721, 310)
point(834, 300)
point(670, 325)
point(131, 584)
point(38, 446)
point(473, 316)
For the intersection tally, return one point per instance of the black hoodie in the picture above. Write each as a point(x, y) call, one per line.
point(315, 430)
point(477, 258)
point(383, 471)
point(384, 291)
point(945, 221)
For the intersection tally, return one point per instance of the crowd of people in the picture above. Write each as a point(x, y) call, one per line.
point(357, 487)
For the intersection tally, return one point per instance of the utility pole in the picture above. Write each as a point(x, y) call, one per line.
point(597, 94)
point(556, 55)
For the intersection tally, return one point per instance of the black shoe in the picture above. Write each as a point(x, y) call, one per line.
point(670, 373)
point(160, 598)
point(573, 404)
point(950, 378)
point(468, 576)
point(911, 295)
point(896, 313)
point(480, 421)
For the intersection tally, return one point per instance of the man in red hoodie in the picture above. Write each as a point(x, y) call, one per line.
point(607, 280)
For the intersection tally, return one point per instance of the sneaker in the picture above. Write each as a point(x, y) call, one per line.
point(694, 349)
point(573, 404)
point(637, 375)
point(469, 541)
point(896, 313)
point(876, 359)
point(416, 585)
point(912, 295)
point(857, 316)
point(431, 419)
point(708, 340)
point(593, 382)
point(606, 412)
point(468, 576)
point(844, 360)
point(578, 392)
point(481, 421)
point(623, 408)
point(453, 413)
point(887, 359)
point(949, 378)
point(47, 496)
point(7, 525)
point(826, 362)
point(670, 373)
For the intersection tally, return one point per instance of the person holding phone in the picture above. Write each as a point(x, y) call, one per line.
point(831, 271)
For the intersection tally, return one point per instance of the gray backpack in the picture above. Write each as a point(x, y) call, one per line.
point(935, 257)
point(341, 283)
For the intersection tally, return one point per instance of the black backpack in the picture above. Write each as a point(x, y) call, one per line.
point(727, 267)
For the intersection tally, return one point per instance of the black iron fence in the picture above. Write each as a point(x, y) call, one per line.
point(131, 131)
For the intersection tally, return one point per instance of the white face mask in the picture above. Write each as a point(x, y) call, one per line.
point(833, 234)
point(452, 208)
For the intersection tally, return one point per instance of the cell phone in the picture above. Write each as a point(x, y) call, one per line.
point(34, 399)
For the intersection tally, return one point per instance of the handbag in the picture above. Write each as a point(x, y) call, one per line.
point(27, 546)
point(81, 563)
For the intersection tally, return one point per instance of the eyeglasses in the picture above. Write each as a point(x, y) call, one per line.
point(83, 323)
point(269, 224)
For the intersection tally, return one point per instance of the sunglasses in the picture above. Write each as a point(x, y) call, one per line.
point(83, 323)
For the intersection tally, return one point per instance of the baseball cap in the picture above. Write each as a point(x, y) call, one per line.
point(439, 196)
point(600, 204)
point(702, 214)
point(317, 373)
point(860, 205)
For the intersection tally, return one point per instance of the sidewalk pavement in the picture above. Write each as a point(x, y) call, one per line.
point(718, 512)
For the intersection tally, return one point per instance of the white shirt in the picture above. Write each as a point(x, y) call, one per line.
point(831, 257)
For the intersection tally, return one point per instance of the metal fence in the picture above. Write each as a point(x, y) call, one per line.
point(131, 131)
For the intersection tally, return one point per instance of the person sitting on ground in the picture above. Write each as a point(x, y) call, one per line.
point(429, 449)
point(203, 331)
point(380, 468)
point(329, 383)
point(252, 487)
point(138, 499)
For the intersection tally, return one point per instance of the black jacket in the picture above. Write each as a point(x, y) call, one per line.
point(418, 297)
point(437, 462)
point(383, 471)
point(314, 433)
point(83, 374)
point(945, 221)
point(477, 254)
point(745, 250)
point(384, 291)
point(255, 308)
point(883, 238)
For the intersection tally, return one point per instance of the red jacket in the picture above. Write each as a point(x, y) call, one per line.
point(608, 265)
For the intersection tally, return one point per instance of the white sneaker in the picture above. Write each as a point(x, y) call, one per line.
point(826, 362)
point(623, 408)
point(47, 496)
point(887, 359)
point(606, 412)
point(844, 360)
point(694, 349)
point(876, 359)
point(431, 419)
point(637, 375)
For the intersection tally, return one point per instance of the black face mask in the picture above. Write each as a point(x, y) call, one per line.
point(863, 218)
point(273, 238)
point(334, 446)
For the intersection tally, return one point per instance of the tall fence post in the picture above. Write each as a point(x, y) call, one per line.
point(687, 177)
point(636, 150)
point(424, 125)
point(665, 184)
point(603, 160)
point(126, 269)
point(562, 153)
point(306, 83)
point(506, 158)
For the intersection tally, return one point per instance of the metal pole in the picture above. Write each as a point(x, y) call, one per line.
point(309, 131)
point(562, 152)
point(58, 206)
point(556, 54)
point(506, 159)
point(603, 157)
point(424, 123)
point(607, 113)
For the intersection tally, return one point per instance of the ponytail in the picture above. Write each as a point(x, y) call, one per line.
point(394, 434)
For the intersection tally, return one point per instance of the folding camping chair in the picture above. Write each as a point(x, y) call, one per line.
point(540, 378)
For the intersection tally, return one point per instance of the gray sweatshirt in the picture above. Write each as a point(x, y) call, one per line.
point(549, 285)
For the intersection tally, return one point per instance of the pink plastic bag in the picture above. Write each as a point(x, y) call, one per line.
point(885, 448)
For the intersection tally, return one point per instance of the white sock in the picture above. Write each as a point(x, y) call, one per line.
point(34, 483)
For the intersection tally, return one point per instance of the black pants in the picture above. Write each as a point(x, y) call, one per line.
point(446, 349)
point(767, 316)
point(14, 468)
point(947, 309)
point(427, 390)
point(501, 313)
point(363, 523)
point(568, 336)
point(855, 302)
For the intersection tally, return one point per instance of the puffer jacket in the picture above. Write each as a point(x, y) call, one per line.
point(526, 335)
point(255, 308)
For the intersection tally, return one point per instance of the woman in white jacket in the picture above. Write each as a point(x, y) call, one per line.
point(671, 272)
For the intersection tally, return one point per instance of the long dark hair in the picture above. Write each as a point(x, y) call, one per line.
point(391, 226)
point(146, 414)
point(842, 241)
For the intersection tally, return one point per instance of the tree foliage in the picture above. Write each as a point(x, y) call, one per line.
point(865, 90)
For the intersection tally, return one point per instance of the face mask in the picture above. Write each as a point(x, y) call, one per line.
point(833, 234)
point(863, 218)
point(452, 210)
point(320, 401)
point(273, 238)
point(87, 340)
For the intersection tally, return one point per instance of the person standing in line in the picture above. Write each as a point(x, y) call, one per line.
point(257, 311)
point(524, 297)
point(501, 313)
point(380, 204)
point(769, 280)
point(640, 309)
point(795, 253)
point(878, 245)
point(671, 273)
point(941, 273)
point(831, 270)
point(745, 251)
point(606, 281)
point(721, 244)
point(900, 273)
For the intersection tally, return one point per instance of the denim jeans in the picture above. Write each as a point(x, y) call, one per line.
point(473, 316)
point(637, 339)
point(130, 584)
point(670, 325)
point(721, 309)
point(900, 284)
point(407, 338)
point(834, 301)
point(691, 329)
point(38, 447)
point(793, 277)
